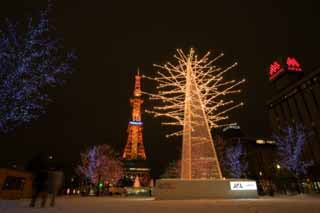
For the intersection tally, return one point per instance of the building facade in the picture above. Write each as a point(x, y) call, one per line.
point(297, 100)
point(259, 154)
point(15, 183)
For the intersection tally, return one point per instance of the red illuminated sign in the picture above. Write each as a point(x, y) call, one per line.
point(274, 70)
point(292, 65)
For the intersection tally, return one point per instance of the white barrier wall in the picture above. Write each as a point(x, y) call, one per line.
point(178, 189)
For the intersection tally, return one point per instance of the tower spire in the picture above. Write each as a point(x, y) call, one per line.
point(137, 85)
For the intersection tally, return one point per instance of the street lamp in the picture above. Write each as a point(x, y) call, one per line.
point(278, 166)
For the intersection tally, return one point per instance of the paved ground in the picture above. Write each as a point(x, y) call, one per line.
point(305, 204)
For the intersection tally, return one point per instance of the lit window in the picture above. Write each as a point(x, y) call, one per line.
point(259, 141)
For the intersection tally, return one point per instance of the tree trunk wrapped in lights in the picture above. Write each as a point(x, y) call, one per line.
point(191, 93)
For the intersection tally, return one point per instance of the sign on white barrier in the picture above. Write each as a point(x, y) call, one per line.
point(243, 185)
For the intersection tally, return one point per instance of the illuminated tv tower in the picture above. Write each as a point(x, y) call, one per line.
point(134, 149)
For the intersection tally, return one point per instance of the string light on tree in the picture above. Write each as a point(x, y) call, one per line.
point(191, 93)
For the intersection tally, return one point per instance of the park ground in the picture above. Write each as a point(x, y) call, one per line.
point(292, 204)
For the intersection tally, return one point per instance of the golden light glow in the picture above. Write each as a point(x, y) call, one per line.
point(208, 78)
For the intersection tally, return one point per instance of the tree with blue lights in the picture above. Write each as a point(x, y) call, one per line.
point(290, 142)
point(31, 62)
point(232, 162)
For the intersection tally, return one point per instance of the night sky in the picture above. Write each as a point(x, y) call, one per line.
point(112, 39)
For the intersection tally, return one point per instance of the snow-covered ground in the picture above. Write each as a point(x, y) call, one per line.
point(305, 204)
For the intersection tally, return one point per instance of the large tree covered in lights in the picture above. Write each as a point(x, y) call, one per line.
point(31, 62)
point(100, 164)
point(192, 93)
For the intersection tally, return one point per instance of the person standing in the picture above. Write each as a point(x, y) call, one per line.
point(56, 178)
point(38, 166)
point(40, 186)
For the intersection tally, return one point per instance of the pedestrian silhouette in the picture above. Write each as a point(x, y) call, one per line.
point(55, 182)
point(38, 167)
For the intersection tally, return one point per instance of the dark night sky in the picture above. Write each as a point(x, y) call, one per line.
point(112, 39)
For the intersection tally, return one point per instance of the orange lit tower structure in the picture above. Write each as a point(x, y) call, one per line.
point(134, 155)
point(134, 149)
